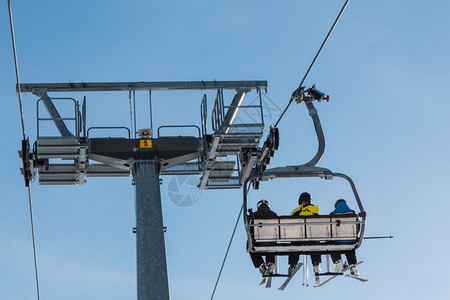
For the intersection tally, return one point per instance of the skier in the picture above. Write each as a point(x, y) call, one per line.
point(341, 207)
point(263, 210)
point(306, 209)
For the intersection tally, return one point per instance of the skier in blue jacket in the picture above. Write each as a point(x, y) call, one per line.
point(341, 207)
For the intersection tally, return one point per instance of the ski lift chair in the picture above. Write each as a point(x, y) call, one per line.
point(318, 234)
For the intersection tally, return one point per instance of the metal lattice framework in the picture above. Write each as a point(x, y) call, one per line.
point(193, 155)
point(224, 158)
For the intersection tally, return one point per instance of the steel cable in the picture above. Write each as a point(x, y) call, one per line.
point(24, 137)
point(314, 61)
point(16, 67)
point(226, 254)
point(34, 242)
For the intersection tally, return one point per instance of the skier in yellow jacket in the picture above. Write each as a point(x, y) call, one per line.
point(306, 209)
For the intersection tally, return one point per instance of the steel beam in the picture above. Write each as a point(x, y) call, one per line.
point(247, 165)
point(233, 109)
point(142, 86)
point(171, 151)
point(152, 277)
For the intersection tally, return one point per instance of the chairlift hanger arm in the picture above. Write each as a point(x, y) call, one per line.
point(308, 96)
point(319, 134)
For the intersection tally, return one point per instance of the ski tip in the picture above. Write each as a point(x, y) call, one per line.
point(357, 278)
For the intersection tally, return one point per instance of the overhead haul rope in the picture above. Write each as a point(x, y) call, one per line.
point(16, 66)
point(24, 137)
point(295, 93)
point(226, 254)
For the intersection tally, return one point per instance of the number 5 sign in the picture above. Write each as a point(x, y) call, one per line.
point(145, 143)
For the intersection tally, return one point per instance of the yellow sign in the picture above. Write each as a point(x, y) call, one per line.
point(145, 143)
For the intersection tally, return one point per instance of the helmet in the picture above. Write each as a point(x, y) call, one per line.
point(263, 201)
point(304, 197)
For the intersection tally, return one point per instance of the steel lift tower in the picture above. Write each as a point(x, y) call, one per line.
point(224, 158)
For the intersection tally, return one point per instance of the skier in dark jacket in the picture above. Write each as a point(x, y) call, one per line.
point(305, 209)
point(263, 210)
point(341, 207)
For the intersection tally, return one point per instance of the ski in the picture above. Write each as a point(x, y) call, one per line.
point(263, 280)
point(357, 278)
point(266, 274)
point(337, 274)
point(286, 282)
point(269, 282)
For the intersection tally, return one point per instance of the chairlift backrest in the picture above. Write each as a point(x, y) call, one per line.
point(324, 228)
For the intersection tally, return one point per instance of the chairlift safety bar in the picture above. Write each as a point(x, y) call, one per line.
point(312, 223)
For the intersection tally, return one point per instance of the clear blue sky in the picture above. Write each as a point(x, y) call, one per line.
point(386, 68)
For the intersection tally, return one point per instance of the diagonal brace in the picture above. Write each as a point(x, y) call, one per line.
point(53, 112)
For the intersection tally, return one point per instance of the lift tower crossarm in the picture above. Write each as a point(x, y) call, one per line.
point(142, 86)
